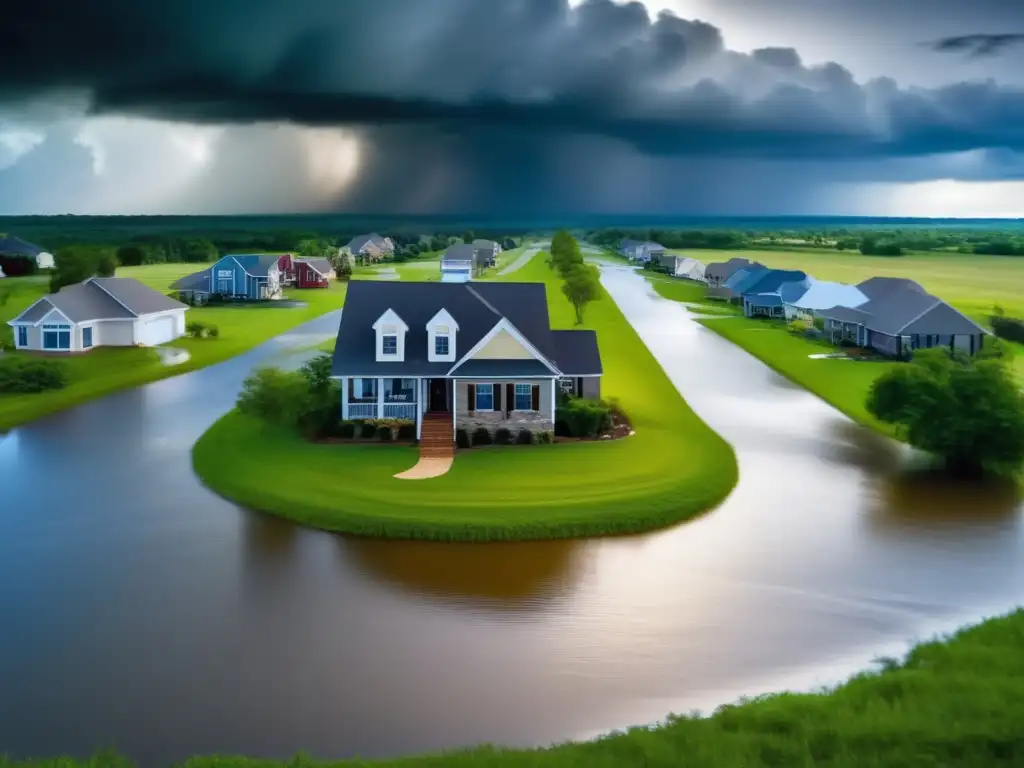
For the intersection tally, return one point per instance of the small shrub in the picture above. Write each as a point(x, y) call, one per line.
point(546, 437)
point(482, 436)
point(384, 433)
point(1009, 328)
point(367, 430)
point(585, 418)
point(462, 438)
point(503, 436)
point(25, 375)
point(347, 430)
point(212, 332)
point(195, 329)
point(407, 430)
point(525, 437)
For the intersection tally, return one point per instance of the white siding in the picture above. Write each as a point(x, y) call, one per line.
point(157, 330)
point(113, 333)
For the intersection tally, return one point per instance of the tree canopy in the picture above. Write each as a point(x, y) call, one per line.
point(969, 413)
point(565, 252)
point(582, 285)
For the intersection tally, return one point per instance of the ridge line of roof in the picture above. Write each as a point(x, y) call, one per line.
point(482, 300)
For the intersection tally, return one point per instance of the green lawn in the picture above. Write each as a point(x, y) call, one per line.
point(673, 468)
point(106, 370)
point(956, 702)
point(973, 284)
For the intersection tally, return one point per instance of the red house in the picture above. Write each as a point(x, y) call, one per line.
point(312, 273)
point(286, 263)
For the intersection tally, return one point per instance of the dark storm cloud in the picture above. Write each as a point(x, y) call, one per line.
point(978, 46)
point(468, 67)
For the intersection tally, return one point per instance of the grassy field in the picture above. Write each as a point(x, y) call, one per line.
point(955, 702)
point(673, 468)
point(106, 370)
point(973, 284)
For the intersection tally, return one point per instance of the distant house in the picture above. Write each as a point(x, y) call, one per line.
point(683, 267)
point(901, 318)
point(876, 287)
point(253, 277)
point(14, 248)
point(371, 247)
point(313, 273)
point(717, 273)
point(286, 263)
point(486, 253)
point(739, 282)
point(818, 296)
point(763, 296)
point(99, 312)
point(449, 356)
point(459, 263)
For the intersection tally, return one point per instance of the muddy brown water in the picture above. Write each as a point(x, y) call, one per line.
point(143, 612)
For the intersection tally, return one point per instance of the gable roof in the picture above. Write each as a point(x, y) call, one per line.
point(459, 252)
point(323, 266)
point(577, 353)
point(723, 270)
point(876, 287)
point(15, 246)
point(907, 311)
point(770, 280)
point(743, 279)
point(822, 294)
point(358, 242)
point(256, 264)
point(101, 298)
point(475, 307)
point(197, 281)
point(763, 299)
point(480, 243)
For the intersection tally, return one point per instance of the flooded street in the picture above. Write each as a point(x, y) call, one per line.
point(144, 612)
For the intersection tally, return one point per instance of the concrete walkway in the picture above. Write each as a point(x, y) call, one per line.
point(427, 468)
point(521, 262)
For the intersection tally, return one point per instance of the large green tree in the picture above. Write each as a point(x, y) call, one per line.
point(582, 285)
point(565, 252)
point(969, 413)
point(73, 264)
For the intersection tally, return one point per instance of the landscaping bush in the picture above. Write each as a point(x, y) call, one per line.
point(212, 332)
point(462, 438)
point(585, 418)
point(275, 396)
point(24, 375)
point(503, 436)
point(368, 431)
point(195, 329)
point(384, 433)
point(482, 436)
point(545, 437)
point(407, 430)
point(1009, 328)
point(525, 437)
point(347, 430)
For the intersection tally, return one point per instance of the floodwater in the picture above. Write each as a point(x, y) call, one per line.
point(140, 611)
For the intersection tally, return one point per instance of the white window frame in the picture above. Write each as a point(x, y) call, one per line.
point(476, 397)
point(438, 340)
point(57, 328)
point(92, 339)
point(529, 396)
point(442, 324)
point(22, 335)
point(384, 344)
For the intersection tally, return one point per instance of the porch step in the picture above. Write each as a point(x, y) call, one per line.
point(436, 436)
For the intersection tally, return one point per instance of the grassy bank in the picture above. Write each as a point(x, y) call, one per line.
point(673, 468)
point(971, 283)
point(108, 369)
point(955, 702)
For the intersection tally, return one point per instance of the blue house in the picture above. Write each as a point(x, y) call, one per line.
point(763, 296)
point(252, 277)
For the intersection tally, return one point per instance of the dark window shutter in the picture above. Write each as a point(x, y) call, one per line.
point(510, 397)
point(497, 396)
point(471, 388)
point(536, 397)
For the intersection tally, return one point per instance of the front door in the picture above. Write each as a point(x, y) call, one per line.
point(438, 395)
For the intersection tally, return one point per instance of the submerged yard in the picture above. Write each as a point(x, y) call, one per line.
point(673, 468)
point(108, 369)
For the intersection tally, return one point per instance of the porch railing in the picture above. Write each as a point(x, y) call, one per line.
point(362, 410)
point(400, 411)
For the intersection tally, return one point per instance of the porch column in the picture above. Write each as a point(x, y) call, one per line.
point(419, 407)
point(553, 384)
point(380, 398)
point(455, 404)
point(344, 397)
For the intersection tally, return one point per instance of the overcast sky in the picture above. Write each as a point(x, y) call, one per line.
point(514, 107)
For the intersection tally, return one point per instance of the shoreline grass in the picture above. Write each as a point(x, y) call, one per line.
point(106, 370)
point(674, 468)
point(957, 700)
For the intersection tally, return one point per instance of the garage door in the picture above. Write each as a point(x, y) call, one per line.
point(159, 330)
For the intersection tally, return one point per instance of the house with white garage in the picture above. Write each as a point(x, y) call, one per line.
point(100, 312)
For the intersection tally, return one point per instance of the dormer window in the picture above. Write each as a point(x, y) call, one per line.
point(391, 331)
point(441, 333)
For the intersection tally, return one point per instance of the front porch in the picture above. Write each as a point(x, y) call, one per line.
point(393, 398)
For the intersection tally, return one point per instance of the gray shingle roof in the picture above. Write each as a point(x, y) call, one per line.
point(484, 244)
point(15, 246)
point(357, 242)
point(102, 298)
point(876, 287)
point(475, 307)
point(577, 353)
point(139, 298)
point(460, 252)
point(723, 270)
point(256, 264)
point(906, 311)
point(845, 315)
point(197, 281)
point(763, 299)
point(323, 266)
